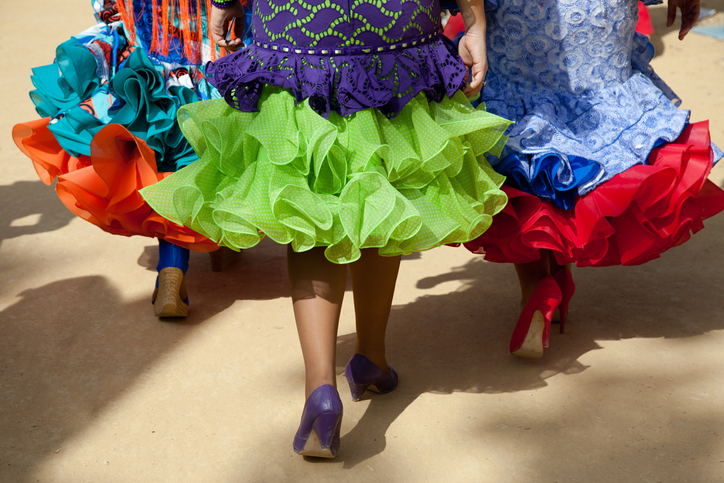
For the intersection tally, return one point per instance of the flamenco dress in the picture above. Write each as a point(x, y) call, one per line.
point(602, 168)
point(342, 126)
point(108, 105)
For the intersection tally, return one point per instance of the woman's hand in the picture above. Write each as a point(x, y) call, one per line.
point(689, 15)
point(219, 19)
point(473, 52)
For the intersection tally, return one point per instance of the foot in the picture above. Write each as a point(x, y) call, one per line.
point(318, 433)
point(532, 331)
point(362, 375)
point(170, 298)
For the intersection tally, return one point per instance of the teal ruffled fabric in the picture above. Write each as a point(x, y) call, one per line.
point(85, 90)
point(66, 83)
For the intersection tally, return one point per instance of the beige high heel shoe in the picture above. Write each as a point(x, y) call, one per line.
point(170, 298)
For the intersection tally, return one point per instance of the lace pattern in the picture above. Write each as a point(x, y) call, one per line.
point(353, 79)
point(577, 81)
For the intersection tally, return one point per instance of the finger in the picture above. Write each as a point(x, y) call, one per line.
point(470, 92)
point(464, 53)
point(239, 26)
point(688, 20)
point(234, 45)
point(477, 82)
point(218, 33)
point(671, 14)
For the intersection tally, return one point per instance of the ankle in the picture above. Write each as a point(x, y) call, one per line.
point(526, 293)
point(375, 357)
point(311, 385)
point(170, 255)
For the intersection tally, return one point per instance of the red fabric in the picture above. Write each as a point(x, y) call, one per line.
point(103, 188)
point(629, 220)
point(644, 25)
point(454, 26)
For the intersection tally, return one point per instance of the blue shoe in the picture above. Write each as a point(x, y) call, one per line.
point(318, 433)
point(363, 375)
point(170, 298)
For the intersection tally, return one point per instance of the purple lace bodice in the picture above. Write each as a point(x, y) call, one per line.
point(343, 23)
point(342, 55)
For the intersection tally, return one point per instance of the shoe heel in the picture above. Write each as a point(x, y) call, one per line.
point(327, 428)
point(323, 440)
point(357, 390)
point(318, 433)
point(362, 375)
point(169, 298)
point(532, 332)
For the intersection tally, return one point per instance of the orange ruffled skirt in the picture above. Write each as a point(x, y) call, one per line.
point(629, 220)
point(103, 188)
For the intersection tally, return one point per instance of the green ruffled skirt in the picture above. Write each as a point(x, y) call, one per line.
point(400, 185)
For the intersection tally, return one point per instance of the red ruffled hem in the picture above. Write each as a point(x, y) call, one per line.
point(103, 188)
point(629, 220)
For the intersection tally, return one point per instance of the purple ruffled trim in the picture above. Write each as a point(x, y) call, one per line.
point(342, 83)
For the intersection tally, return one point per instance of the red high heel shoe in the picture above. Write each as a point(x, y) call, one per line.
point(564, 279)
point(533, 330)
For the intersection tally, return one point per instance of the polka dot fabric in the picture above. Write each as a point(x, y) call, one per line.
point(405, 184)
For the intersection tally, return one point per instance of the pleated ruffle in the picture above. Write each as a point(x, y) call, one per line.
point(103, 188)
point(629, 220)
point(405, 184)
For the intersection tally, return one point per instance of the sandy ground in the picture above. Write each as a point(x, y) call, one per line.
point(94, 388)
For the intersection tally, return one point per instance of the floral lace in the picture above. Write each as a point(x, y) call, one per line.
point(343, 55)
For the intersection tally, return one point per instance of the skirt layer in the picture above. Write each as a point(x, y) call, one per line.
point(400, 185)
point(103, 188)
point(629, 220)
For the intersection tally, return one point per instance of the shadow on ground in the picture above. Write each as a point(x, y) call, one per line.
point(71, 348)
point(256, 274)
point(89, 351)
point(30, 207)
point(458, 342)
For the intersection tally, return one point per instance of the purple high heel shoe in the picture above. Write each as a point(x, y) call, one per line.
point(318, 433)
point(362, 375)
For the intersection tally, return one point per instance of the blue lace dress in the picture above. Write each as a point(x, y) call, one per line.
point(576, 79)
point(616, 173)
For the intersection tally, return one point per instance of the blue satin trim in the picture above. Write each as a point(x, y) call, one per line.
point(553, 176)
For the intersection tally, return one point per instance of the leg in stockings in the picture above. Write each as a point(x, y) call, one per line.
point(317, 292)
point(555, 266)
point(373, 282)
point(565, 282)
point(530, 275)
point(532, 331)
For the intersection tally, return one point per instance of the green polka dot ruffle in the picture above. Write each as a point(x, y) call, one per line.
point(401, 185)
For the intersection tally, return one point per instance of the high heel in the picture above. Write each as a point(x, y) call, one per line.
point(170, 297)
point(564, 279)
point(362, 374)
point(532, 332)
point(318, 433)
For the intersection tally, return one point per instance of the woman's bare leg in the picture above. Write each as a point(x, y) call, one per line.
point(373, 282)
point(317, 292)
